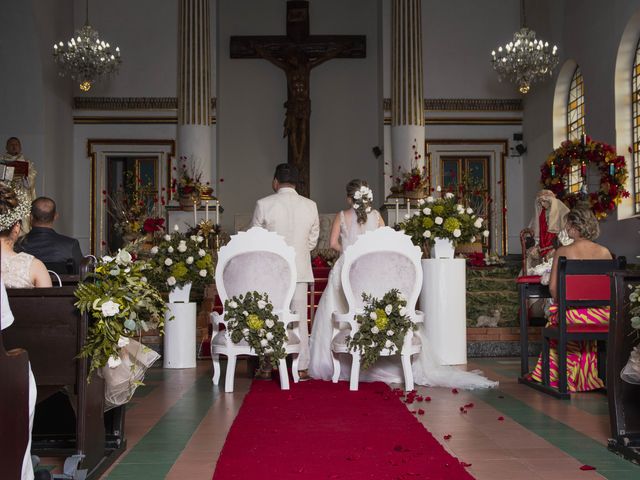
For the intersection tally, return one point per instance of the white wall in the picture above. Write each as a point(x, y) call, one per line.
point(594, 46)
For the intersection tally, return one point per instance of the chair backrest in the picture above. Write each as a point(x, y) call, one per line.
point(379, 261)
point(586, 283)
point(67, 267)
point(257, 260)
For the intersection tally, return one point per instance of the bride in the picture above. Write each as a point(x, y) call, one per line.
point(347, 226)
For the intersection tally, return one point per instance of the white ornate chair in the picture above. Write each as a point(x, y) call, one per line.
point(255, 260)
point(379, 261)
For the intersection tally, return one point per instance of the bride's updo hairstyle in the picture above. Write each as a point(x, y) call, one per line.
point(14, 206)
point(362, 197)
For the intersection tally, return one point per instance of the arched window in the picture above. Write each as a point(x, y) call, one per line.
point(575, 125)
point(635, 127)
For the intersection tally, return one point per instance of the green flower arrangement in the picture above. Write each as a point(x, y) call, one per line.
point(250, 317)
point(383, 324)
point(443, 217)
point(178, 260)
point(122, 304)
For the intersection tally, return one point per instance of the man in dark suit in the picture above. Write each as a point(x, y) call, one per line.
point(59, 253)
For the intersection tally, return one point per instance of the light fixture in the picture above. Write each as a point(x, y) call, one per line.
point(525, 60)
point(85, 57)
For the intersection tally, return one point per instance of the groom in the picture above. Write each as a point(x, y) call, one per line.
point(296, 219)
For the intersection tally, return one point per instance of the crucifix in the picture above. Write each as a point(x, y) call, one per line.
point(297, 53)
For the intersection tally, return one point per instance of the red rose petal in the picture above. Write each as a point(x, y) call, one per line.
point(465, 464)
point(420, 411)
point(500, 419)
point(587, 467)
point(469, 405)
point(447, 436)
point(419, 398)
point(427, 399)
point(454, 390)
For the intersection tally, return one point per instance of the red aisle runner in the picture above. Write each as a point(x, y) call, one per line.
point(321, 430)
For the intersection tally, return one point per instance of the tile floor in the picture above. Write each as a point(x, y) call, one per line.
point(176, 426)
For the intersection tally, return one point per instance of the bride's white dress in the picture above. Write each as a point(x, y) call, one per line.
point(426, 370)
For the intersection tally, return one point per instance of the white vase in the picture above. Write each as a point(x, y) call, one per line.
point(180, 294)
point(442, 248)
point(180, 336)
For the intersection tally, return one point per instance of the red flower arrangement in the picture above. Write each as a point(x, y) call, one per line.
point(573, 154)
point(153, 224)
point(416, 181)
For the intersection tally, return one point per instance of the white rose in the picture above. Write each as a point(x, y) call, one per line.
point(245, 331)
point(245, 313)
point(261, 304)
point(459, 207)
point(233, 304)
point(485, 233)
point(193, 238)
point(182, 248)
point(202, 273)
point(457, 232)
point(469, 211)
point(390, 333)
point(175, 228)
point(438, 188)
point(439, 220)
point(167, 237)
point(123, 342)
point(199, 239)
point(154, 250)
point(114, 361)
point(171, 281)
point(421, 201)
point(426, 211)
point(407, 216)
point(357, 195)
point(368, 210)
point(478, 222)
point(374, 329)
point(429, 199)
point(110, 308)
point(202, 253)
point(403, 311)
point(123, 257)
point(373, 316)
point(269, 336)
point(107, 259)
point(426, 234)
point(168, 262)
point(388, 309)
point(472, 239)
point(388, 344)
point(402, 297)
point(264, 342)
point(448, 195)
point(269, 323)
point(143, 279)
point(189, 260)
point(170, 249)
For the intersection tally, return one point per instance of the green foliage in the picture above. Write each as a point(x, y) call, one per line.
point(383, 324)
point(250, 317)
point(122, 304)
point(634, 307)
point(443, 217)
point(178, 260)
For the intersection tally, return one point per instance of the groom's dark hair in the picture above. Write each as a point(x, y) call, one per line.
point(286, 173)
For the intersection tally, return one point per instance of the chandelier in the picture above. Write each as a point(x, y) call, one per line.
point(85, 57)
point(525, 60)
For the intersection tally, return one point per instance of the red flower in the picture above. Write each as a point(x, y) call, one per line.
point(153, 224)
point(501, 419)
point(587, 467)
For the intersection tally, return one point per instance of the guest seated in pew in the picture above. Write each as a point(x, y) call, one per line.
point(59, 253)
point(19, 270)
point(582, 365)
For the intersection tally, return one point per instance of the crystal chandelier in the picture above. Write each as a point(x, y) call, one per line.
point(85, 57)
point(525, 60)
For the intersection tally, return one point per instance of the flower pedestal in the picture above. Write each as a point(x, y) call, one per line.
point(180, 333)
point(442, 248)
point(444, 303)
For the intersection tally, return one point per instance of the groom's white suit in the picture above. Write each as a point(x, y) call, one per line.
point(296, 219)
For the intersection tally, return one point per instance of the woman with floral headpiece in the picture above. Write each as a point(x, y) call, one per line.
point(19, 270)
point(348, 225)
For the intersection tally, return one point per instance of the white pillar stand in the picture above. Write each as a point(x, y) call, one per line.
point(180, 336)
point(444, 303)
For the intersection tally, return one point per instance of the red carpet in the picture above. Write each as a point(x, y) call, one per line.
point(321, 430)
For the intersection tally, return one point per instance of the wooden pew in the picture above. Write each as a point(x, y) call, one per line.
point(624, 398)
point(52, 330)
point(14, 410)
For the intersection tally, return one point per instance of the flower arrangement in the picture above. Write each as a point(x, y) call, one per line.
point(189, 179)
point(122, 303)
point(250, 317)
point(634, 307)
point(443, 217)
point(383, 325)
point(414, 182)
point(179, 259)
point(362, 199)
point(576, 154)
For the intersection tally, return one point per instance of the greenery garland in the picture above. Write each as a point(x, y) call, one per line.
point(250, 317)
point(383, 324)
point(122, 304)
point(572, 155)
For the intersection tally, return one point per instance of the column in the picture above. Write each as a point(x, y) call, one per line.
point(407, 99)
point(194, 86)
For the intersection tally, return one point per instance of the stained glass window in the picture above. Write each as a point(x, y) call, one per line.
point(575, 125)
point(635, 108)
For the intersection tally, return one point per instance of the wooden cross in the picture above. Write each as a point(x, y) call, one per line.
point(296, 54)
